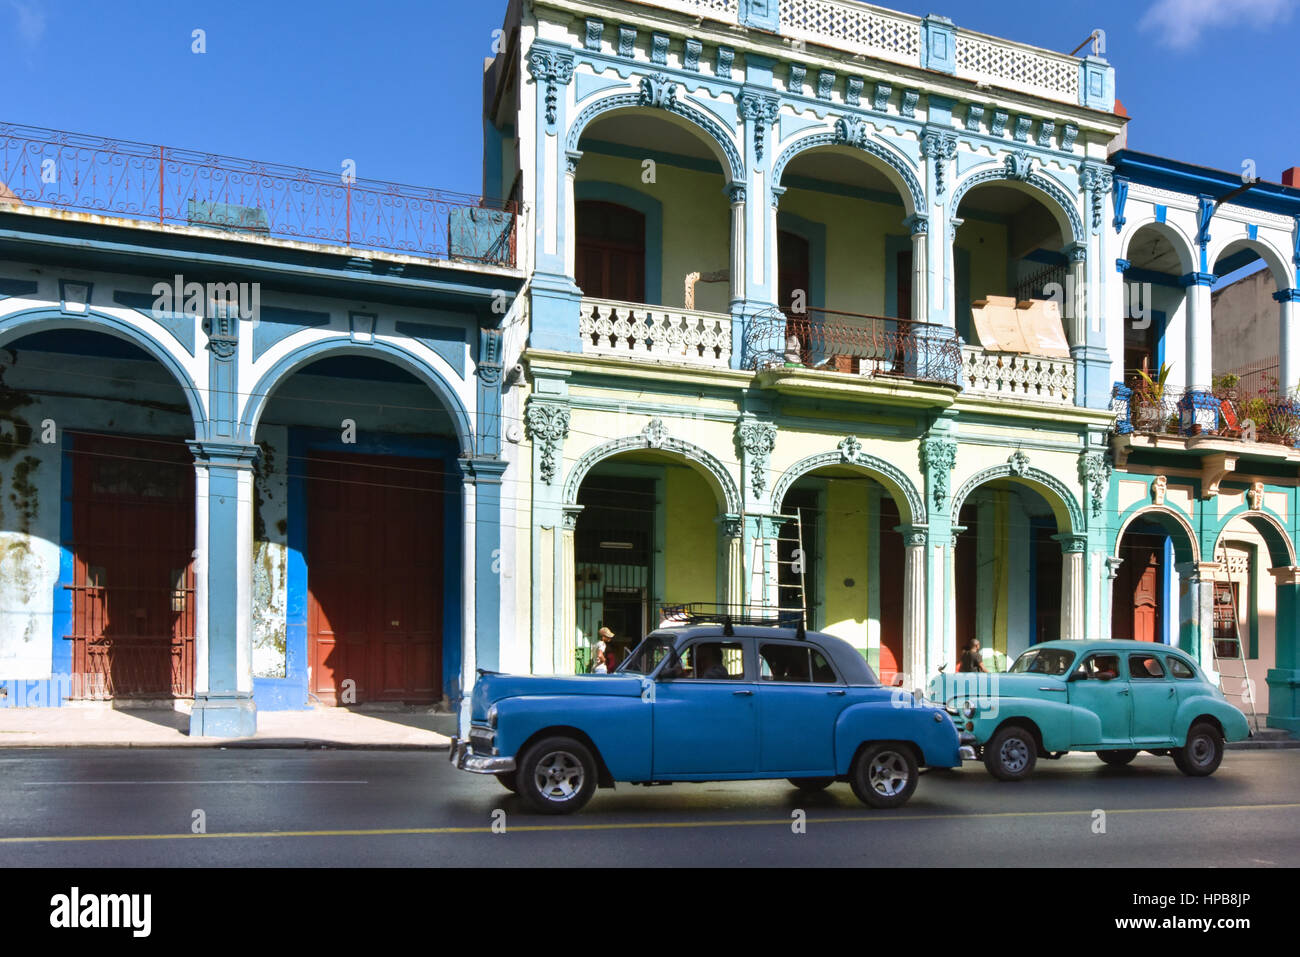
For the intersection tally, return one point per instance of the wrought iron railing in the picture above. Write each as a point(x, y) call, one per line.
point(73, 171)
point(829, 340)
point(1268, 417)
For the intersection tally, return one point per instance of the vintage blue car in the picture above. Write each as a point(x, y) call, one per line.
point(707, 702)
point(1113, 697)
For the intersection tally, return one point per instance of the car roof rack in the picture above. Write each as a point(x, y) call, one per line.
point(702, 613)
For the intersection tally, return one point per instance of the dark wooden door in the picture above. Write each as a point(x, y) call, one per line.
point(1135, 611)
point(610, 255)
point(133, 568)
point(892, 561)
point(374, 575)
point(903, 309)
point(794, 275)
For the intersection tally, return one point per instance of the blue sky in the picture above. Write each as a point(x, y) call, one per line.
point(395, 84)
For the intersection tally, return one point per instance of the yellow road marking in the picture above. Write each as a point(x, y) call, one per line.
point(879, 818)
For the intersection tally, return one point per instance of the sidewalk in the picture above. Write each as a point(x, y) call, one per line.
point(407, 729)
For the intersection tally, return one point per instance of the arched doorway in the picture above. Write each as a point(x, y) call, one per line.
point(357, 518)
point(97, 533)
point(1152, 597)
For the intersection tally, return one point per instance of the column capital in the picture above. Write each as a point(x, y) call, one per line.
point(1197, 279)
point(1072, 543)
point(1198, 571)
point(571, 513)
point(228, 454)
point(918, 224)
point(1112, 566)
point(1122, 265)
point(914, 536)
point(1287, 295)
point(479, 470)
point(733, 526)
point(1286, 575)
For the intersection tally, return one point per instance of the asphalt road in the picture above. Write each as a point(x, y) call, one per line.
point(126, 808)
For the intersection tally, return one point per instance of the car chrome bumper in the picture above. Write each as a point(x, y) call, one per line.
point(967, 753)
point(463, 757)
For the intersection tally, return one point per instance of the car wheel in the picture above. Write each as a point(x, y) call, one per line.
point(811, 784)
point(1117, 758)
point(509, 780)
point(557, 775)
point(884, 775)
point(1011, 754)
point(1203, 752)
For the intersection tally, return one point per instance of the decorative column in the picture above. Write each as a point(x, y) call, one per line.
point(919, 227)
point(1108, 600)
point(938, 455)
point(731, 528)
point(754, 287)
point(938, 147)
point(1197, 406)
point(571, 160)
point(469, 663)
point(736, 193)
point(914, 602)
point(1073, 549)
point(566, 644)
point(1288, 341)
point(547, 422)
point(1284, 679)
point(223, 639)
point(481, 574)
point(1196, 625)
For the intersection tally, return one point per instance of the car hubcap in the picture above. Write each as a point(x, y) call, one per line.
point(888, 773)
point(559, 776)
point(1015, 755)
point(1202, 750)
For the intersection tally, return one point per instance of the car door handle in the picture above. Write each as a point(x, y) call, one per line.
point(742, 693)
point(1050, 688)
point(1125, 691)
point(1171, 692)
point(837, 694)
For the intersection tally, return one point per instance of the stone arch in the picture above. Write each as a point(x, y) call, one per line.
point(897, 168)
point(911, 506)
point(1061, 205)
point(1069, 516)
point(716, 135)
point(289, 364)
point(1182, 244)
point(1172, 521)
point(31, 321)
point(1281, 551)
point(1274, 259)
point(653, 439)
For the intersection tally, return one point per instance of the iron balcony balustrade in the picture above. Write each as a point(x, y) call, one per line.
point(151, 183)
point(855, 343)
point(1270, 417)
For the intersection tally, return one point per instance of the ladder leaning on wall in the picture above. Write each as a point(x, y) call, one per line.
point(765, 564)
point(1226, 644)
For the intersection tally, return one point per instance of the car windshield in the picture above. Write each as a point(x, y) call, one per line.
point(647, 656)
point(1043, 661)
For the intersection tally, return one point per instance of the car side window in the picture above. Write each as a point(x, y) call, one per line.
point(1100, 667)
point(1179, 668)
point(1145, 666)
point(714, 661)
point(795, 663)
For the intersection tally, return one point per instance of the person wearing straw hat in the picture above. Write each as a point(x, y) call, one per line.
point(599, 651)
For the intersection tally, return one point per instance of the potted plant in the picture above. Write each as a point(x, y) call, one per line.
point(1149, 398)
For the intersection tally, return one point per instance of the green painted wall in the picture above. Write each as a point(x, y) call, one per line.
point(697, 223)
point(691, 562)
point(846, 558)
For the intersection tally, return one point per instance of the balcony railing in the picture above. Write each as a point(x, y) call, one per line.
point(828, 340)
point(1021, 377)
point(659, 333)
point(1268, 417)
point(163, 184)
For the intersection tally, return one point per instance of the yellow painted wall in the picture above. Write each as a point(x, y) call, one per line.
point(696, 223)
point(987, 244)
point(691, 550)
point(845, 530)
point(855, 245)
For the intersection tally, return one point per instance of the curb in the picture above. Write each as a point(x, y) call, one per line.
point(289, 744)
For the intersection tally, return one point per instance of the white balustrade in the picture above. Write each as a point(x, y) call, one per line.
point(1017, 67)
point(835, 23)
point(1030, 378)
point(657, 333)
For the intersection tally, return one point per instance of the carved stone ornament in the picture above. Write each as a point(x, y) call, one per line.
point(1158, 488)
point(1255, 496)
point(850, 450)
point(658, 90)
point(757, 439)
point(548, 426)
point(1019, 463)
point(1094, 474)
point(1020, 165)
point(938, 456)
point(655, 433)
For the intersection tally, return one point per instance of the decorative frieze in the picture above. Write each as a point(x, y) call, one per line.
point(795, 78)
point(998, 126)
point(726, 56)
point(659, 49)
point(757, 439)
point(555, 69)
point(940, 147)
point(825, 83)
point(1021, 131)
point(627, 42)
point(548, 427)
point(974, 117)
point(595, 33)
point(880, 100)
point(1096, 181)
point(658, 90)
point(691, 58)
point(1019, 165)
point(853, 91)
point(910, 99)
point(938, 456)
point(1094, 475)
point(761, 111)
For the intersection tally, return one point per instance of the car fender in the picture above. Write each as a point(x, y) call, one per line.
point(886, 720)
point(1234, 723)
point(1054, 720)
point(619, 726)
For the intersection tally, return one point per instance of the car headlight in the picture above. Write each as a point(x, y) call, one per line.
point(968, 710)
point(492, 716)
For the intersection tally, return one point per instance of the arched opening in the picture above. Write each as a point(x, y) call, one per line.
point(647, 534)
point(1013, 244)
point(97, 529)
point(653, 227)
point(1150, 598)
point(846, 261)
point(841, 559)
point(1014, 581)
point(358, 511)
point(1155, 305)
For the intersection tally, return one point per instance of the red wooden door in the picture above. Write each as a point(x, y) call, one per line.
point(133, 574)
point(374, 577)
point(1136, 599)
point(892, 562)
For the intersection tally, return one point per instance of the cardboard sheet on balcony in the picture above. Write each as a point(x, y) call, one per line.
point(1030, 328)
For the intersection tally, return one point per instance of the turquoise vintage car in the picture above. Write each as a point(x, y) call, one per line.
point(707, 702)
point(1113, 697)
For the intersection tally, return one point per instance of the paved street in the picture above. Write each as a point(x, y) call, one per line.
point(352, 808)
